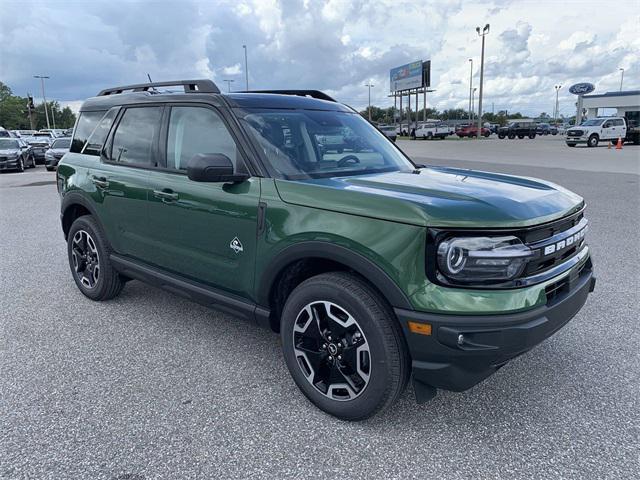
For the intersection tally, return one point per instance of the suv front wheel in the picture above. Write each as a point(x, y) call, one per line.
point(343, 346)
point(88, 252)
point(593, 141)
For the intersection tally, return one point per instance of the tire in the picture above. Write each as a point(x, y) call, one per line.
point(614, 142)
point(486, 134)
point(554, 133)
point(500, 136)
point(571, 144)
point(593, 141)
point(511, 136)
point(50, 169)
point(20, 166)
point(33, 161)
point(520, 137)
point(381, 364)
point(107, 283)
point(532, 136)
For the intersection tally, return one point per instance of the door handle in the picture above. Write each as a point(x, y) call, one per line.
point(166, 194)
point(100, 182)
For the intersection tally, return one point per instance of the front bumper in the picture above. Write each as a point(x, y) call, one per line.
point(51, 162)
point(9, 164)
point(464, 350)
point(576, 139)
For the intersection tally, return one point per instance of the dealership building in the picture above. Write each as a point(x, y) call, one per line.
point(625, 104)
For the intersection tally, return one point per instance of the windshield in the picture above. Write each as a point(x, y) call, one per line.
point(62, 143)
point(6, 144)
point(592, 123)
point(312, 144)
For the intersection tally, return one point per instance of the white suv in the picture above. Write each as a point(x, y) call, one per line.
point(593, 131)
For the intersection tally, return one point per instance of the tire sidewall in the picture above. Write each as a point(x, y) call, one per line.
point(374, 394)
point(593, 141)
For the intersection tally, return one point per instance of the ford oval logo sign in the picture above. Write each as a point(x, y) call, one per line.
point(582, 88)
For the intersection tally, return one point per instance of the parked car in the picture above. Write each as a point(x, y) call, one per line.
point(372, 268)
point(472, 131)
point(39, 145)
point(592, 131)
point(429, 131)
point(58, 148)
point(26, 133)
point(389, 131)
point(518, 129)
point(15, 155)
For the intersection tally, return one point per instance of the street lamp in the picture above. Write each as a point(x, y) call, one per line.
point(470, 88)
point(473, 103)
point(246, 67)
point(621, 77)
point(555, 114)
point(482, 33)
point(229, 82)
point(46, 112)
point(369, 85)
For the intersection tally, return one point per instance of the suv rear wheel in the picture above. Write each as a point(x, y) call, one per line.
point(88, 252)
point(593, 141)
point(343, 346)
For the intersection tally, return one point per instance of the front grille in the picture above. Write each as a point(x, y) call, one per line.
point(575, 133)
point(556, 242)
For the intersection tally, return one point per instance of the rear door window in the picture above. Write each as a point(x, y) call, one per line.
point(136, 136)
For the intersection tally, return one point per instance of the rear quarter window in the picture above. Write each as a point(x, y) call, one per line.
point(91, 131)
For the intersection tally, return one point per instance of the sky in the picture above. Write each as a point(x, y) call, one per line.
point(336, 46)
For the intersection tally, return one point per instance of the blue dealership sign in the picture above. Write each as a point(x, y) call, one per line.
point(582, 88)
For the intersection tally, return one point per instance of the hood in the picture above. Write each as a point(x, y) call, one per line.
point(58, 151)
point(437, 197)
point(9, 151)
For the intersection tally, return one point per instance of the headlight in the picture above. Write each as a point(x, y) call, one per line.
point(479, 259)
point(48, 155)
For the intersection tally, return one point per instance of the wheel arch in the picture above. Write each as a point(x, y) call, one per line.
point(303, 260)
point(75, 205)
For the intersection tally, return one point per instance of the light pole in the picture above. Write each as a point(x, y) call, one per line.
point(473, 102)
point(46, 112)
point(246, 67)
point(369, 85)
point(555, 113)
point(229, 82)
point(482, 33)
point(621, 77)
point(470, 88)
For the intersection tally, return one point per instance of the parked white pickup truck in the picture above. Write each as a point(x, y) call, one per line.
point(432, 130)
point(597, 129)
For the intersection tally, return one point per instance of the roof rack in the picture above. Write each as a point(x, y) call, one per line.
point(300, 93)
point(190, 86)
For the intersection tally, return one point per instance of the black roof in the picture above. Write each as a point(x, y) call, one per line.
point(275, 100)
point(207, 92)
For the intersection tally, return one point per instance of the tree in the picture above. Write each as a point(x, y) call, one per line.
point(14, 113)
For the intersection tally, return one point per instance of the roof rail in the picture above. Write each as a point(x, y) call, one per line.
point(300, 93)
point(190, 86)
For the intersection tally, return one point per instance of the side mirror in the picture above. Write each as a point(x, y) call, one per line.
point(213, 167)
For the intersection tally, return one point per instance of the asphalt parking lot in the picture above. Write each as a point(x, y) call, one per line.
point(151, 386)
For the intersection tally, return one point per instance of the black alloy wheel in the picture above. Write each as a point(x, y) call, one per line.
point(85, 258)
point(331, 350)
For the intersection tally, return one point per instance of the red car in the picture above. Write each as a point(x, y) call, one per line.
point(472, 131)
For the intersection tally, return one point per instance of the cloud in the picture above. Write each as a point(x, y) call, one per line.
point(334, 45)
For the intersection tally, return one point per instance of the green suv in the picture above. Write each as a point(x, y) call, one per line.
point(292, 211)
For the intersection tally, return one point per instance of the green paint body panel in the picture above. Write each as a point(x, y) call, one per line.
point(381, 217)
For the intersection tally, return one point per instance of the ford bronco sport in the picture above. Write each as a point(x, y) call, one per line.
point(373, 269)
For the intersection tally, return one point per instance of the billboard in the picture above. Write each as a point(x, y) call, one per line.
point(406, 77)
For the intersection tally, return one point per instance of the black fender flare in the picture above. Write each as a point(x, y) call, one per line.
point(76, 198)
point(330, 251)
